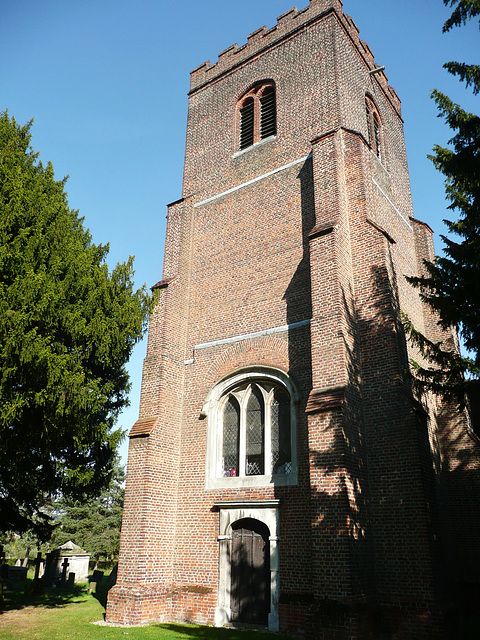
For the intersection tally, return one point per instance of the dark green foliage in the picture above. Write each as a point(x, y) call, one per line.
point(463, 11)
point(452, 283)
point(468, 73)
point(67, 329)
point(19, 547)
point(94, 525)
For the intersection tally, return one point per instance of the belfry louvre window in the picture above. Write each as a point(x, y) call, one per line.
point(246, 123)
point(256, 431)
point(374, 129)
point(268, 119)
point(257, 113)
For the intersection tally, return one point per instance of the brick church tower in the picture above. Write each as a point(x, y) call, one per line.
point(282, 472)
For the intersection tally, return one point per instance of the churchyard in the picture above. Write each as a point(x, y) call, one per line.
point(77, 612)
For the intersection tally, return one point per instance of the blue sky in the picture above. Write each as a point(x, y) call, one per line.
point(106, 82)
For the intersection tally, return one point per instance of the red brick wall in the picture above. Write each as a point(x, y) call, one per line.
point(322, 232)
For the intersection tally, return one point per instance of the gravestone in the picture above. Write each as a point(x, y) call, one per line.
point(17, 573)
point(38, 567)
point(112, 578)
point(94, 580)
point(38, 573)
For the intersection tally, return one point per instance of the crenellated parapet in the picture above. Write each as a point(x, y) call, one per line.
point(287, 24)
point(366, 53)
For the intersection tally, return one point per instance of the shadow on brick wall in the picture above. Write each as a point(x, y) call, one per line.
point(385, 455)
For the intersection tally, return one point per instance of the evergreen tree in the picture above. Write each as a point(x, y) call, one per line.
point(95, 524)
point(67, 329)
point(451, 284)
point(24, 546)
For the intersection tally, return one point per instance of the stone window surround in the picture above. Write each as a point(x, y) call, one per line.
point(267, 512)
point(211, 410)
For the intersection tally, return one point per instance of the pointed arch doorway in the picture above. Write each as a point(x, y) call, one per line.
point(248, 564)
point(250, 572)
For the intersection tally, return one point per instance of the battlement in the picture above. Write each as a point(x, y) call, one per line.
point(287, 23)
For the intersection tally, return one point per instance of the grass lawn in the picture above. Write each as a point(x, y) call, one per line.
point(70, 616)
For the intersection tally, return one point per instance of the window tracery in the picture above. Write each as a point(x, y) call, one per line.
point(252, 435)
point(256, 431)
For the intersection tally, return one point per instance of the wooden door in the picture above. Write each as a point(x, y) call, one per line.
point(250, 572)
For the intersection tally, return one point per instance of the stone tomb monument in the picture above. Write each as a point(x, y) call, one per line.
point(67, 559)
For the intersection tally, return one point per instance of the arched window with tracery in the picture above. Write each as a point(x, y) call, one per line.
point(374, 128)
point(252, 434)
point(256, 431)
point(257, 114)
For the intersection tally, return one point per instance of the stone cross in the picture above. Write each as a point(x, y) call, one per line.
point(65, 564)
point(38, 562)
point(36, 579)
